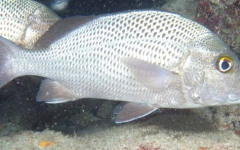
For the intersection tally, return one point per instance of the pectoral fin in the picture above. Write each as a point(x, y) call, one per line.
point(52, 92)
point(132, 111)
point(150, 75)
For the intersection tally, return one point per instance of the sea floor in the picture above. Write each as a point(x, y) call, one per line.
point(158, 132)
point(167, 129)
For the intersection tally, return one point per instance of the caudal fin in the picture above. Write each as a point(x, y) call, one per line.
point(7, 49)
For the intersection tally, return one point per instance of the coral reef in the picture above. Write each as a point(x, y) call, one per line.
point(185, 8)
point(223, 18)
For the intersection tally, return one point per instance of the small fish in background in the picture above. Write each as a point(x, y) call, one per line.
point(150, 59)
point(25, 21)
point(59, 5)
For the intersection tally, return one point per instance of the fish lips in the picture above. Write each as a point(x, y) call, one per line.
point(234, 97)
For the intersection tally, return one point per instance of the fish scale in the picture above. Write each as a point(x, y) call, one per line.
point(152, 59)
point(24, 21)
point(87, 53)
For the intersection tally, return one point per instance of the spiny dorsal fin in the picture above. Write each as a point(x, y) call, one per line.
point(60, 29)
point(53, 92)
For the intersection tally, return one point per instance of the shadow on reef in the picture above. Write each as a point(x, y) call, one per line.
point(180, 120)
point(184, 120)
point(167, 120)
point(174, 120)
point(19, 108)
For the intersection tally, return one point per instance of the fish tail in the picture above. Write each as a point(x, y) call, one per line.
point(7, 49)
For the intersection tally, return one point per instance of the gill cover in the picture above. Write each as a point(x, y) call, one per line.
point(211, 73)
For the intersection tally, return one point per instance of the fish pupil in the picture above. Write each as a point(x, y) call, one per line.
point(225, 65)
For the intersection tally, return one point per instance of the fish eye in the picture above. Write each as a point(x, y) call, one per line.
point(224, 64)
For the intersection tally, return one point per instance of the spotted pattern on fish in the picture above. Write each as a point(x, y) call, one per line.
point(24, 21)
point(88, 61)
point(155, 58)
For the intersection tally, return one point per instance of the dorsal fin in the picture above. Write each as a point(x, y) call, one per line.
point(61, 28)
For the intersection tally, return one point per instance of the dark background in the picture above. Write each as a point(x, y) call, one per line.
point(94, 7)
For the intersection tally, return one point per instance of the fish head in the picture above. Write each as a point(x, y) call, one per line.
point(211, 73)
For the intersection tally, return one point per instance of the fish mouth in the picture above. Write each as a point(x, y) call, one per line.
point(233, 97)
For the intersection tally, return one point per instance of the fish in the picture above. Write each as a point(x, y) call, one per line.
point(149, 59)
point(25, 21)
point(59, 5)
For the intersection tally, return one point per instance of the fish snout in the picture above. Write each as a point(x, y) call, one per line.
point(233, 97)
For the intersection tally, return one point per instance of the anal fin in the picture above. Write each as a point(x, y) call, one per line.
point(132, 111)
point(53, 92)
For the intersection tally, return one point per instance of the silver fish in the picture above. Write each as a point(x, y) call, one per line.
point(152, 59)
point(25, 21)
point(59, 5)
